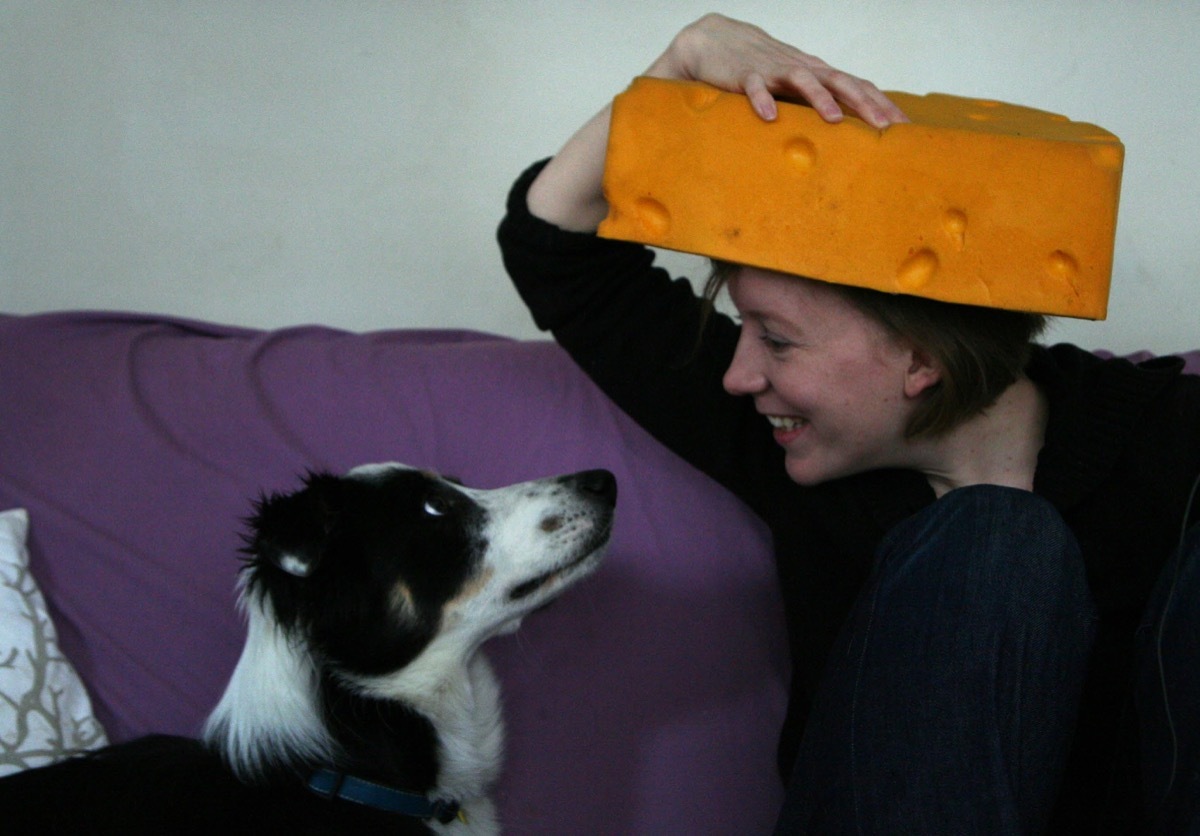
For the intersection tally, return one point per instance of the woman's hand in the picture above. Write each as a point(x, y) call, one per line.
point(725, 53)
point(740, 57)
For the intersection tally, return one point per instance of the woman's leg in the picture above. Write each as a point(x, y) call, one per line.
point(949, 699)
point(1168, 694)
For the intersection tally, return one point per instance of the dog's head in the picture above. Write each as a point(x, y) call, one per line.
point(368, 569)
point(385, 581)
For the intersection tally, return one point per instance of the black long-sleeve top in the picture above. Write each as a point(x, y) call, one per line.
point(1122, 447)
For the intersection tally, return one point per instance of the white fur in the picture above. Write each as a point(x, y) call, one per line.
point(294, 565)
point(268, 711)
point(521, 546)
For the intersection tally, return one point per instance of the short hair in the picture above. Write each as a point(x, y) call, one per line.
point(981, 351)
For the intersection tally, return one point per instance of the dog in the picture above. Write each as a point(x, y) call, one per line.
point(360, 703)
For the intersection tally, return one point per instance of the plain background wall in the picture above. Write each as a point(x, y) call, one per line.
point(269, 163)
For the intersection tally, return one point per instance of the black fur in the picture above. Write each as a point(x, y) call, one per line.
point(346, 531)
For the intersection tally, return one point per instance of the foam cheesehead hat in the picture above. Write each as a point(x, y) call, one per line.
point(975, 201)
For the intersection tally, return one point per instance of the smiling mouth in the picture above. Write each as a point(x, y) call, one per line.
point(786, 423)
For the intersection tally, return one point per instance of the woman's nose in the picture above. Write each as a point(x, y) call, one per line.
point(744, 377)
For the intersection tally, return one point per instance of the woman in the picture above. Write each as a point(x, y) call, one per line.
point(969, 528)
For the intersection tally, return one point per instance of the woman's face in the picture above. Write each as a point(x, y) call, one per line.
point(836, 386)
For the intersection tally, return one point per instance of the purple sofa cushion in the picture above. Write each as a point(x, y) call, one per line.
point(646, 700)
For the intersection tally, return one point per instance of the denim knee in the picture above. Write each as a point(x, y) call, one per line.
point(953, 690)
point(1002, 538)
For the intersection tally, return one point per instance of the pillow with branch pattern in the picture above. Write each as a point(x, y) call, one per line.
point(45, 713)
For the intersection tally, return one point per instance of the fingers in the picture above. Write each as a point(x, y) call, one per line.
point(829, 91)
point(864, 98)
point(741, 57)
point(755, 88)
point(815, 83)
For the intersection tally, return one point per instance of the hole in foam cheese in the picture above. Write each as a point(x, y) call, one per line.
point(976, 201)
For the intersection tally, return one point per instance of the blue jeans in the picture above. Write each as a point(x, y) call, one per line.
point(950, 697)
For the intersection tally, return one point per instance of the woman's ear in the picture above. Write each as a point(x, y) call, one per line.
point(923, 374)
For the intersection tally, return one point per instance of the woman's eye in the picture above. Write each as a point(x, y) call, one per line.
point(773, 343)
point(436, 506)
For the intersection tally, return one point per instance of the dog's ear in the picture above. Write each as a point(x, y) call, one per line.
point(292, 530)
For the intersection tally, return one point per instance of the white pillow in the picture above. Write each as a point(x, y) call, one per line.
point(45, 713)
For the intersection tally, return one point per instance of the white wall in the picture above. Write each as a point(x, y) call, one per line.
point(270, 162)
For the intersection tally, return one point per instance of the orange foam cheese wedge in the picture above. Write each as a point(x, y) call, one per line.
point(975, 201)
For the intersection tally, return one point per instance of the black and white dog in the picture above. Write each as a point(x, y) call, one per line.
point(360, 703)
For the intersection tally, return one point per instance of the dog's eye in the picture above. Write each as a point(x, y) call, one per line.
point(436, 506)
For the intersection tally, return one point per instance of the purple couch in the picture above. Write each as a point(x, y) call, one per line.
point(646, 700)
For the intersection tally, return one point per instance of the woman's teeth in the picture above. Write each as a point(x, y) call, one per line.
point(781, 422)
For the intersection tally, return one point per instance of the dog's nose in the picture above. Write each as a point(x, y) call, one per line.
point(598, 483)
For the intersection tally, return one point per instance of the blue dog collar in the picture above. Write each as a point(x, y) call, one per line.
point(330, 784)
